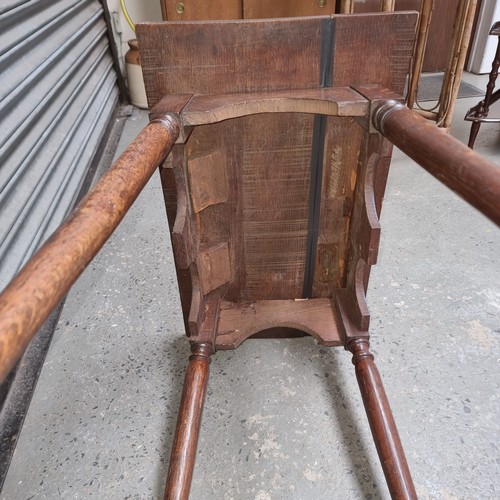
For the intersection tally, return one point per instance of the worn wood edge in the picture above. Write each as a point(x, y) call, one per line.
point(351, 305)
point(334, 101)
point(306, 315)
point(184, 239)
point(208, 328)
point(371, 209)
point(348, 326)
point(213, 263)
point(208, 180)
point(172, 105)
point(296, 19)
point(375, 94)
point(362, 311)
point(197, 306)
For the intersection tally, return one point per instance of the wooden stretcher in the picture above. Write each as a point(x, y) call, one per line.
point(272, 138)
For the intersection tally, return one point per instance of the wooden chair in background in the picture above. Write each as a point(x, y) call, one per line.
point(278, 133)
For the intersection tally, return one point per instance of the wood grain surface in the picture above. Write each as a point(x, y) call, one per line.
point(42, 283)
point(235, 68)
point(239, 321)
point(471, 176)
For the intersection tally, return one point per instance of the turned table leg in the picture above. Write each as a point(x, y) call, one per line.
point(383, 427)
point(187, 431)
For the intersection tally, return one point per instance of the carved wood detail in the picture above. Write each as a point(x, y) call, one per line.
point(239, 321)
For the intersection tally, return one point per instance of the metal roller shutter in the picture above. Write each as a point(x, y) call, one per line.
point(57, 97)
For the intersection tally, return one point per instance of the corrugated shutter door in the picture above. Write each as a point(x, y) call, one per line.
point(58, 92)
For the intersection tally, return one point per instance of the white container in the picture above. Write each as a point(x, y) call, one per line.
point(135, 79)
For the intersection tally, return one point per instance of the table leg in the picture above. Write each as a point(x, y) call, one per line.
point(383, 427)
point(183, 454)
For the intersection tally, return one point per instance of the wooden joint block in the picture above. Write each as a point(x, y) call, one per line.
point(349, 328)
point(209, 320)
point(214, 267)
point(172, 105)
point(375, 95)
point(207, 181)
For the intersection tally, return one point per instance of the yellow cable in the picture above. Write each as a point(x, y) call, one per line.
point(127, 17)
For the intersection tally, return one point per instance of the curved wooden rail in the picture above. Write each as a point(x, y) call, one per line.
point(335, 101)
point(473, 177)
point(30, 297)
point(193, 110)
point(240, 321)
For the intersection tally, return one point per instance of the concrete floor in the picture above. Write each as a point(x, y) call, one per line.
point(283, 418)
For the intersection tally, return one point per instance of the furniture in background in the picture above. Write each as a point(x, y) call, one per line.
point(442, 111)
point(481, 112)
point(462, 11)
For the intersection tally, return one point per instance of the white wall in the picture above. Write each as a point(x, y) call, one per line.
point(484, 46)
point(139, 10)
